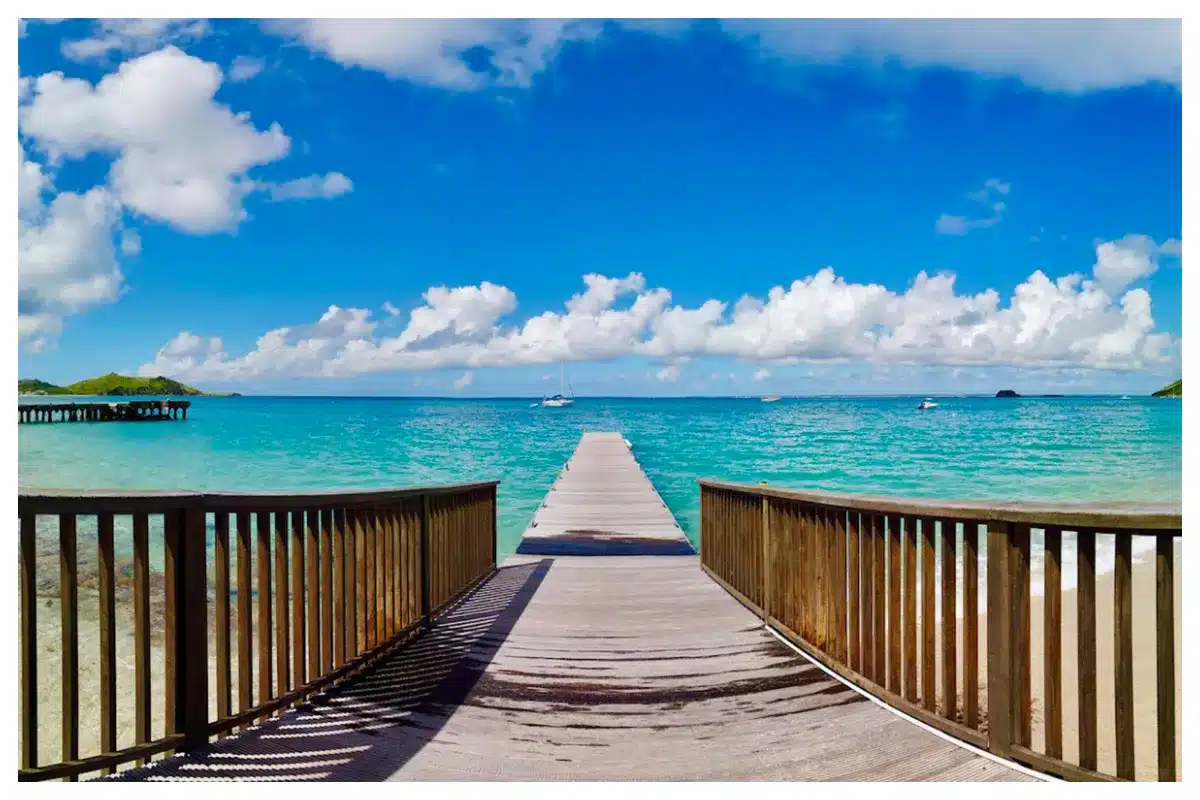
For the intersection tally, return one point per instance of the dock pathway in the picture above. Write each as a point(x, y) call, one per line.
point(591, 667)
point(602, 503)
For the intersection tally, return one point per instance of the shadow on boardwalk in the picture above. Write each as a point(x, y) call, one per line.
point(373, 725)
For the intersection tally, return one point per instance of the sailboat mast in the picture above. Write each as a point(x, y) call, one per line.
point(562, 371)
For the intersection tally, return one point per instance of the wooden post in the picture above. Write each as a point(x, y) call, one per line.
point(191, 631)
point(425, 620)
point(999, 641)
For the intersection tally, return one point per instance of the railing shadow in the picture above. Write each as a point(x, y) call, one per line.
point(371, 726)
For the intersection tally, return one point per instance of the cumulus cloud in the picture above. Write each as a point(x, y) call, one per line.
point(1065, 55)
point(1120, 263)
point(464, 380)
point(244, 68)
point(324, 187)
point(180, 156)
point(762, 374)
point(133, 37)
point(1096, 321)
point(66, 259)
point(176, 156)
point(461, 54)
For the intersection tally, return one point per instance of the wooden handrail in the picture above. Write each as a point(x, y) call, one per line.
point(338, 576)
point(840, 576)
point(1145, 518)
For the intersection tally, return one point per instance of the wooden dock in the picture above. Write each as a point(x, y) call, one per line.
point(602, 503)
point(128, 411)
point(592, 667)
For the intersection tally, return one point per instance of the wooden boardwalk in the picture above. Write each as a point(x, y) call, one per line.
point(603, 504)
point(590, 668)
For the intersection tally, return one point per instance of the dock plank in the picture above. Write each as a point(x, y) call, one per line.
point(590, 668)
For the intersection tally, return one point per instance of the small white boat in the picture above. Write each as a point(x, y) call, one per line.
point(771, 399)
point(559, 400)
point(926, 404)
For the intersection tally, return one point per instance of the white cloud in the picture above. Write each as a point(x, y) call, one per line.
point(464, 380)
point(324, 187)
point(66, 260)
point(1073, 320)
point(462, 54)
point(762, 374)
point(131, 242)
point(1120, 263)
point(1068, 55)
point(180, 157)
point(988, 198)
point(133, 37)
point(244, 68)
point(390, 309)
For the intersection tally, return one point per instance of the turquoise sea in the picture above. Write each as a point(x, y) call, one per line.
point(1071, 449)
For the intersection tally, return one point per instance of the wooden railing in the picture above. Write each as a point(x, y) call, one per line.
point(841, 576)
point(323, 584)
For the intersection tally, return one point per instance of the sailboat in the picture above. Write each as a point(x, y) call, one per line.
point(559, 400)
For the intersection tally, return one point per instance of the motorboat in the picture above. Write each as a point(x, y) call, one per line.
point(771, 399)
point(926, 404)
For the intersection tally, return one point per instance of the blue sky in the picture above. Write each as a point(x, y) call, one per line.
point(196, 196)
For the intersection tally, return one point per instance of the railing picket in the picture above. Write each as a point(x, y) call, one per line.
point(1020, 676)
point(908, 546)
point(361, 611)
point(326, 593)
point(1085, 595)
point(1164, 569)
point(854, 655)
point(108, 637)
point(141, 630)
point(928, 616)
point(370, 576)
point(29, 646)
point(971, 624)
point(68, 555)
point(950, 618)
point(1123, 654)
point(1052, 641)
point(880, 602)
point(298, 605)
point(339, 587)
point(894, 623)
point(265, 690)
point(283, 675)
point(171, 632)
point(245, 599)
point(312, 522)
point(221, 613)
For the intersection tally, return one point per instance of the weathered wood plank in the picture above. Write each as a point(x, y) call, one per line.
point(928, 616)
point(224, 665)
point(950, 618)
point(1164, 569)
point(911, 589)
point(971, 624)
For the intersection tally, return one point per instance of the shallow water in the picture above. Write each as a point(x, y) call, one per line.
point(1070, 449)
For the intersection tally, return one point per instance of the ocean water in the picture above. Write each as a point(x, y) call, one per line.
point(1070, 449)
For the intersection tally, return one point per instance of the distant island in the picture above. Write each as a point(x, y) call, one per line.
point(1173, 390)
point(1007, 393)
point(114, 385)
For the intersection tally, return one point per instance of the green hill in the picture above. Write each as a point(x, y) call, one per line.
point(113, 385)
point(1173, 390)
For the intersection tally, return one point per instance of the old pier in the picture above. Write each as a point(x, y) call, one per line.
point(128, 411)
